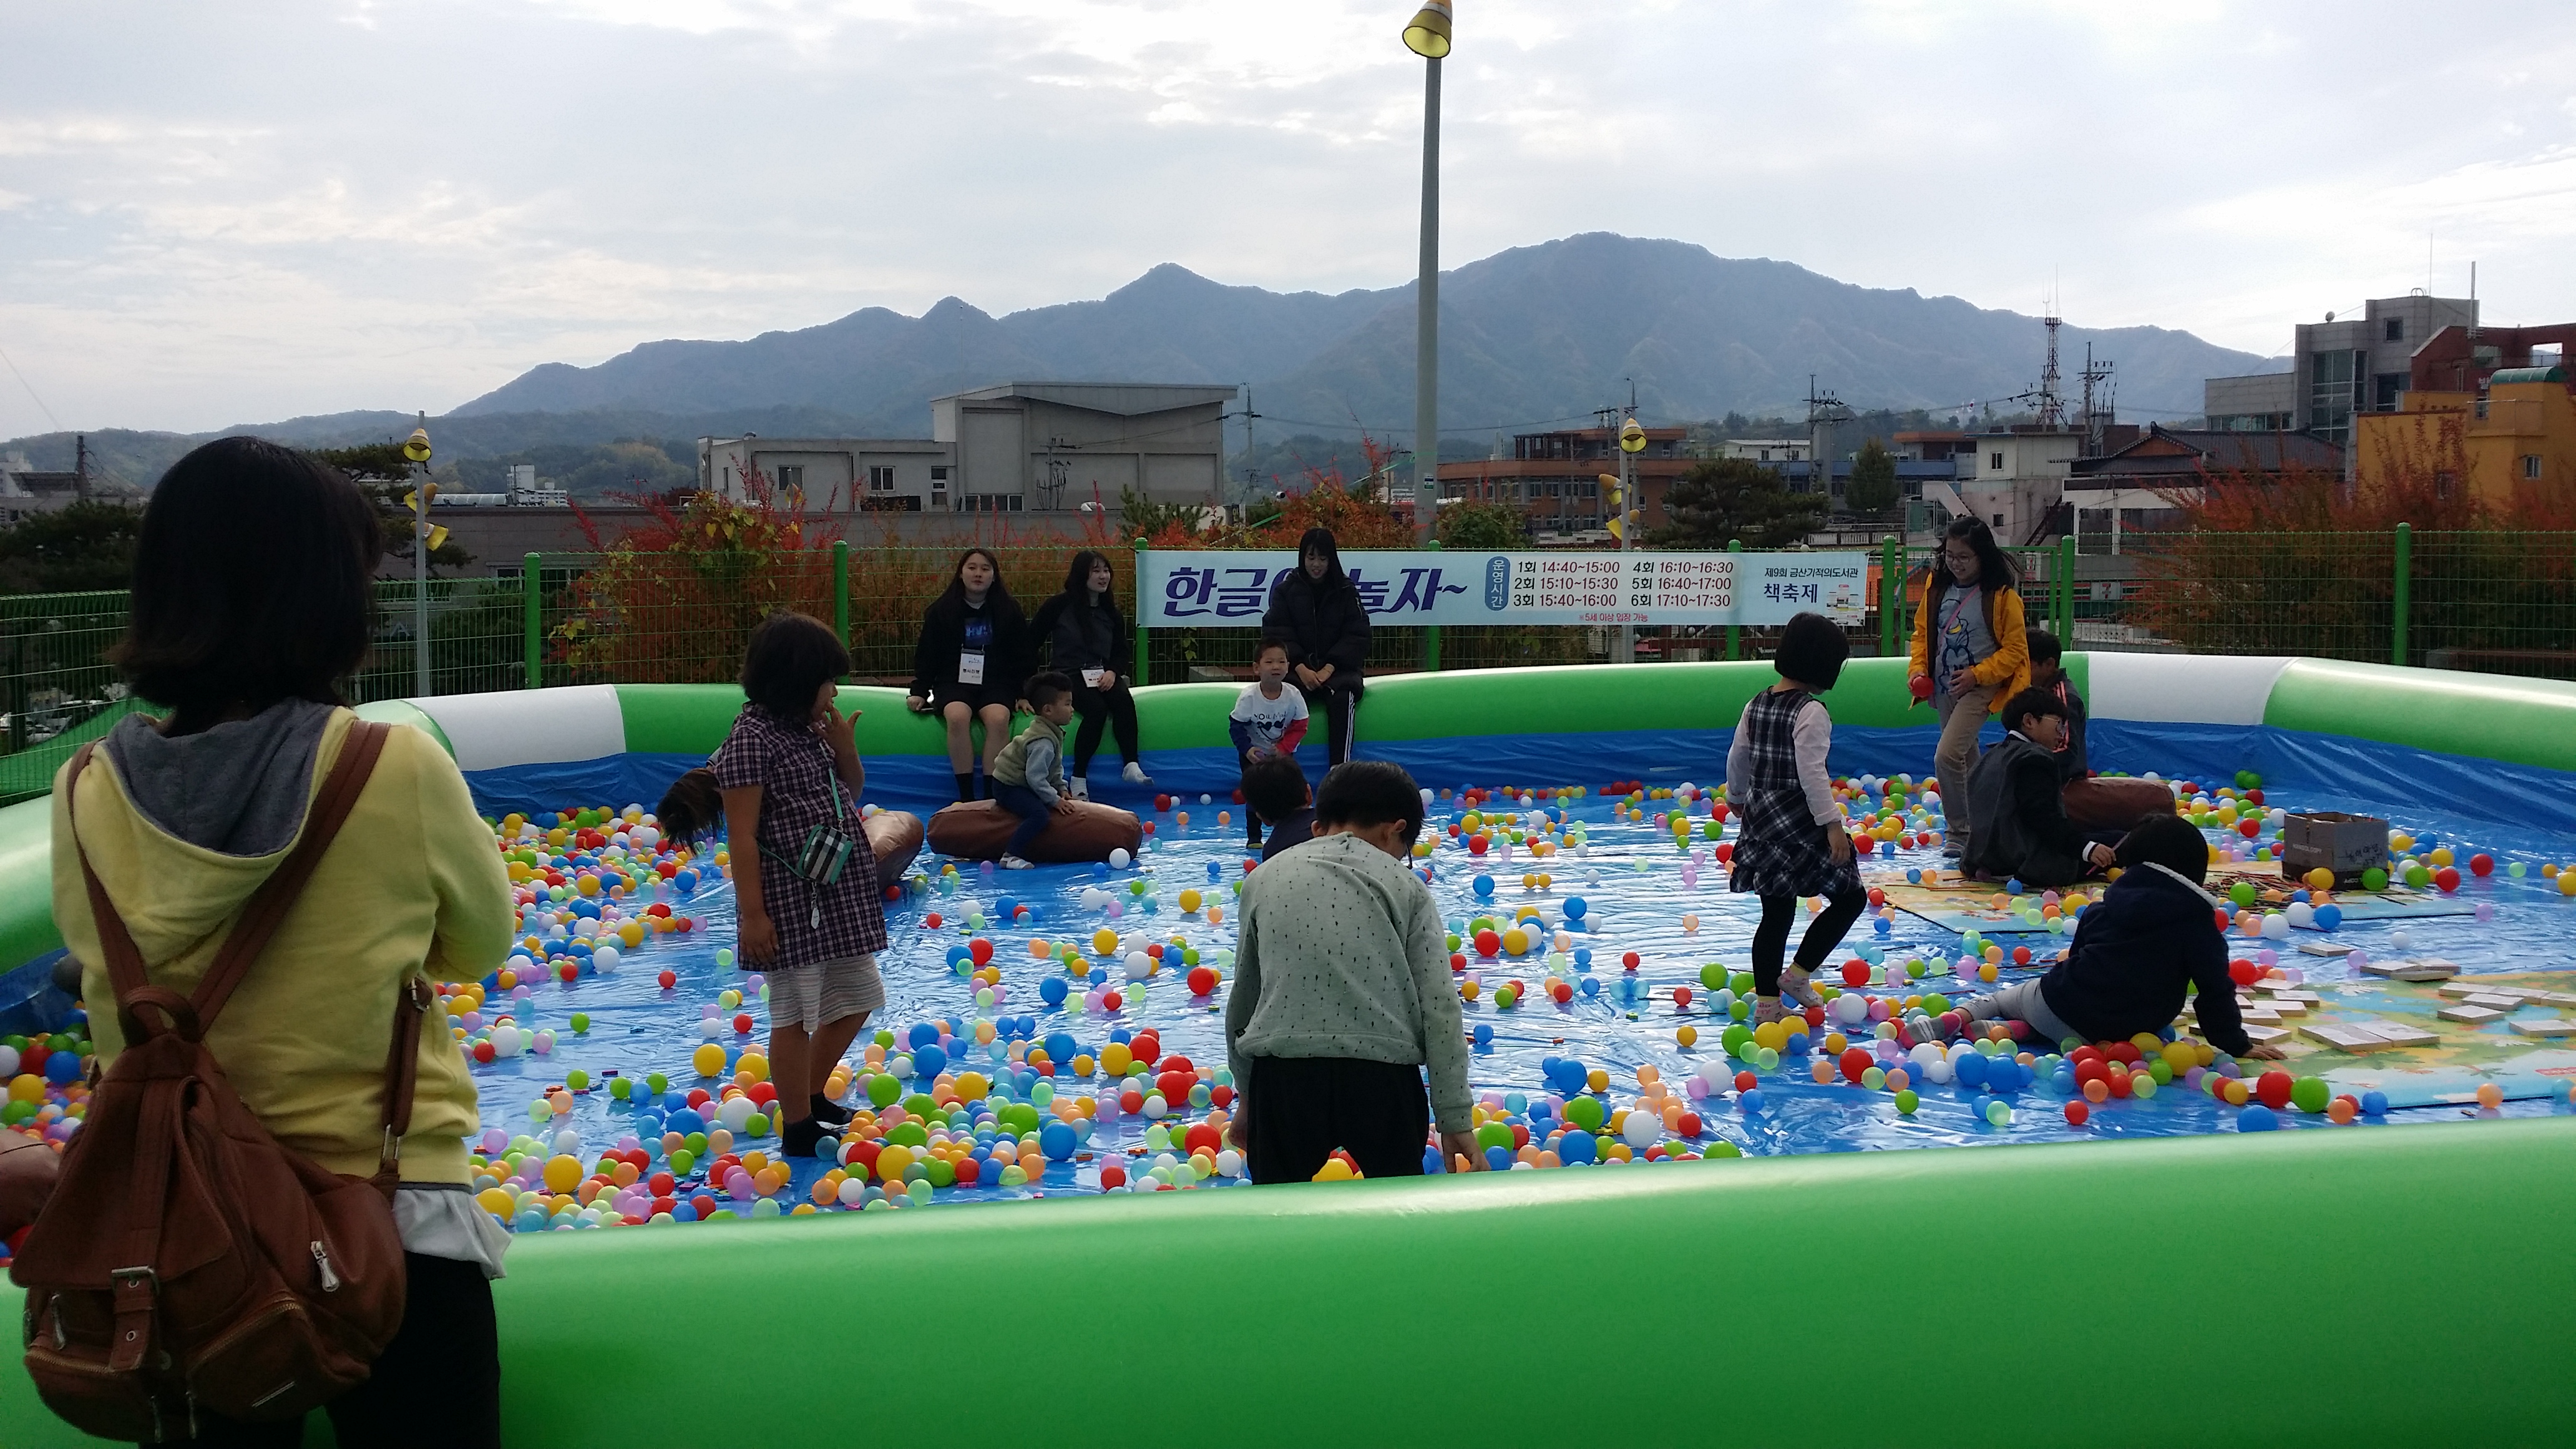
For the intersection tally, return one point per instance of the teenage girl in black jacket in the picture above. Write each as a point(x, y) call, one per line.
point(1087, 638)
point(1320, 614)
point(969, 665)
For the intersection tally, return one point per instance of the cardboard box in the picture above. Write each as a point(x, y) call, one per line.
point(2344, 844)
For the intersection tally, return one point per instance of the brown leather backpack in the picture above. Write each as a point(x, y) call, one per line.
point(187, 1262)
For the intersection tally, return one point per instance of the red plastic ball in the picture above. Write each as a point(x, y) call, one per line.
point(1131, 1101)
point(2077, 1114)
point(1855, 973)
point(1487, 942)
point(483, 1052)
point(2482, 865)
point(931, 920)
point(2447, 878)
point(742, 1022)
point(2250, 826)
point(1561, 992)
point(969, 1172)
point(1111, 1001)
point(668, 979)
point(980, 950)
point(1746, 1081)
point(1854, 1062)
point(1202, 981)
point(2021, 955)
point(1631, 961)
point(2243, 973)
point(568, 972)
point(1681, 996)
point(1688, 1125)
point(1112, 1175)
point(2273, 1088)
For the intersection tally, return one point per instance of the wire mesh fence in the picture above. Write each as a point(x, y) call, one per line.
point(2493, 601)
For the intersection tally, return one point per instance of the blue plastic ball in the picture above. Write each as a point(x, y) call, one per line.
point(1484, 1033)
point(1750, 1101)
point(1583, 958)
point(928, 1062)
point(1052, 991)
point(922, 1034)
point(1483, 886)
point(2257, 1118)
point(1499, 1159)
point(1971, 1069)
point(1056, 1140)
point(1576, 1146)
point(63, 1068)
point(2329, 916)
point(1575, 907)
point(2374, 1103)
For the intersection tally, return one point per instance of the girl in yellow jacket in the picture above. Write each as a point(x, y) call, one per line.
point(251, 598)
point(1970, 655)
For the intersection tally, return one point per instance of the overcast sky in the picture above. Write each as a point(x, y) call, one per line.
point(227, 213)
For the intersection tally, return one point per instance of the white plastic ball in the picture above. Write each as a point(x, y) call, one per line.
point(1850, 1009)
point(1118, 858)
point(606, 959)
point(1641, 1128)
point(505, 1040)
point(1139, 965)
point(735, 1112)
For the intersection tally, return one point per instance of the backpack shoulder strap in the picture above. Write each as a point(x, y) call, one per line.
point(268, 906)
point(116, 943)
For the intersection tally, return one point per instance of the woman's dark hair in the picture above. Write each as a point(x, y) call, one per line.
point(1077, 575)
point(955, 593)
point(1369, 792)
point(2037, 699)
point(1321, 540)
point(1275, 788)
point(691, 807)
point(2169, 841)
point(791, 656)
point(1046, 687)
point(252, 582)
point(1812, 650)
point(2043, 645)
point(1994, 571)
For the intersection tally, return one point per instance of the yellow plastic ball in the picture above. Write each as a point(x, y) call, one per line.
point(563, 1173)
point(1686, 1036)
point(709, 1059)
point(2567, 882)
point(1189, 902)
point(1104, 941)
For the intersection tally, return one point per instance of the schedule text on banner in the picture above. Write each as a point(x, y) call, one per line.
point(1183, 588)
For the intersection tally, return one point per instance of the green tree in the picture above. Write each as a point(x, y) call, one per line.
point(1872, 488)
point(87, 544)
point(1730, 498)
point(1480, 525)
point(383, 474)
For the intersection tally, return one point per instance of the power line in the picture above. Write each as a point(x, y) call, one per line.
point(31, 393)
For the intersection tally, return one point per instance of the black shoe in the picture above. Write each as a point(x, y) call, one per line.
point(829, 1112)
point(799, 1139)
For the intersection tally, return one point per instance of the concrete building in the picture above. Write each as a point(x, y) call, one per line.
point(1555, 478)
point(1016, 447)
point(26, 491)
point(2339, 368)
point(2138, 488)
point(1767, 450)
point(2014, 480)
point(2515, 436)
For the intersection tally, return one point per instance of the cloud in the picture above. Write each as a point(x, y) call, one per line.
point(325, 204)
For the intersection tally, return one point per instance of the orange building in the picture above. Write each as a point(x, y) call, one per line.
point(2517, 433)
point(1554, 478)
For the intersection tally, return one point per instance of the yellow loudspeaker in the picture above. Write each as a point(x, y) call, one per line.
point(416, 447)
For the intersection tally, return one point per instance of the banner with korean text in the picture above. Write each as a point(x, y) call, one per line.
point(1185, 588)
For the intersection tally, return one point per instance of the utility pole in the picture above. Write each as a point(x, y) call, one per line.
point(1822, 410)
point(2097, 401)
point(1250, 473)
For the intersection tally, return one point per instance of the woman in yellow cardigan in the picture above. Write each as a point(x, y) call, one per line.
point(1969, 656)
point(252, 583)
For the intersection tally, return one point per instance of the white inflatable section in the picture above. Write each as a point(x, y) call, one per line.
point(2181, 688)
point(529, 726)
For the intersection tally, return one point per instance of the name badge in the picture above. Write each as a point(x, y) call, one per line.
point(970, 669)
point(1091, 678)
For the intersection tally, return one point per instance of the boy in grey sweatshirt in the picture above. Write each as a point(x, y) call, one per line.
point(1342, 994)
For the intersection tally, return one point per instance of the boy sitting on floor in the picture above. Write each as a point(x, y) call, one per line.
point(2153, 933)
point(2016, 807)
point(1274, 791)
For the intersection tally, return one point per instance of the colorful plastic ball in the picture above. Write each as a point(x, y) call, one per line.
point(2374, 1103)
point(2328, 916)
point(1750, 1102)
point(2341, 1111)
point(2310, 1094)
point(2482, 865)
point(2257, 1119)
point(2490, 1095)
point(2078, 1113)
point(1907, 1101)
point(1577, 1146)
point(709, 1059)
point(1999, 1113)
point(2373, 879)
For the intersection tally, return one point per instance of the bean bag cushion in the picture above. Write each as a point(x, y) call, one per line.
point(979, 829)
point(895, 836)
point(2099, 804)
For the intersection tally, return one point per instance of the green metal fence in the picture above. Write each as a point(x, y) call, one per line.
point(2489, 601)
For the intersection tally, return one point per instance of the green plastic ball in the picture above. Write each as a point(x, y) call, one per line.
point(883, 1090)
point(581, 1021)
point(2310, 1094)
point(1713, 976)
point(2243, 893)
point(1907, 1101)
point(2374, 879)
point(1583, 1112)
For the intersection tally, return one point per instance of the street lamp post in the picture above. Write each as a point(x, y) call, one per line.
point(1632, 441)
point(416, 449)
point(1428, 36)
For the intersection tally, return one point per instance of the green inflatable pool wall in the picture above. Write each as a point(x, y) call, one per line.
point(2404, 1285)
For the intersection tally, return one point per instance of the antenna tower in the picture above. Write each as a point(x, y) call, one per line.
point(2052, 412)
point(2098, 412)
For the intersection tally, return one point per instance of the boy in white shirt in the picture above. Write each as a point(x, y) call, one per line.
point(1268, 720)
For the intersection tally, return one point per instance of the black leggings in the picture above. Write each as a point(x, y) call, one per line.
point(1099, 712)
point(446, 1357)
point(1338, 707)
point(1772, 936)
point(1296, 1110)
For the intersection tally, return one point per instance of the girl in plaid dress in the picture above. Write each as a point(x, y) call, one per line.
point(788, 775)
point(1792, 843)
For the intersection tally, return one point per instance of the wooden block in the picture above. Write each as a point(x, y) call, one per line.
point(2398, 1033)
point(2560, 998)
point(2472, 1015)
point(2458, 989)
point(2427, 969)
point(2343, 1038)
point(2492, 1002)
point(2551, 1026)
point(2292, 993)
point(2288, 1006)
point(2258, 1012)
point(2262, 1035)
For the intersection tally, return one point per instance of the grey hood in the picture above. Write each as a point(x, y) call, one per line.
point(238, 789)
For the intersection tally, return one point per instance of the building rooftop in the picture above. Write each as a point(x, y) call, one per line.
point(1125, 399)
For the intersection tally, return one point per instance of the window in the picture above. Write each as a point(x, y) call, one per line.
point(2386, 388)
point(2443, 482)
point(890, 503)
point(992, 503)
point(880, 478)
point(791, 477)
point(1994, 462)
point(1999, 520)
point(2531, 465)
point(2396, 329)
point(2332, 379)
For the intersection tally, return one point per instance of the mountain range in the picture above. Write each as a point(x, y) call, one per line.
point(1532, 337)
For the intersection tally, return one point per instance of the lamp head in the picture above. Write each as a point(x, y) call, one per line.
point(1428, 34)
point(416, 447)
point(1632, 439)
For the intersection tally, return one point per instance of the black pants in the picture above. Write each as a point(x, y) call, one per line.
point(1100, 711)
point(2051, 868)
point(1338, 706)
point(1772, 936)
point(1298, 1109)
point(438, 1384)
